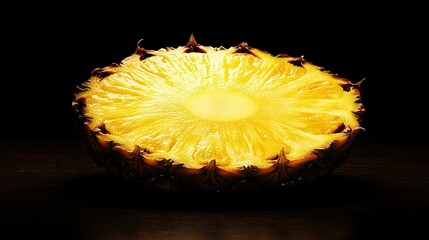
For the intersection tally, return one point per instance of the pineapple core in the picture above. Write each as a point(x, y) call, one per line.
point(221, 106)
point(236, 108)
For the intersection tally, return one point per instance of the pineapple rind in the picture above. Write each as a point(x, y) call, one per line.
point(285, 169)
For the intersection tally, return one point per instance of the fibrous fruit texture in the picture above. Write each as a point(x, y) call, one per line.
point(217, 119)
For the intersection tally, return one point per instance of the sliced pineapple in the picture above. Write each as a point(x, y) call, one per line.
point(237, 107)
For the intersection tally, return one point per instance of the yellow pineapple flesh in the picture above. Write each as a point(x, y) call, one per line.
point(236, 107)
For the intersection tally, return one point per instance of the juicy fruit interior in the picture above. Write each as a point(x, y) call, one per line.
point(236, 108)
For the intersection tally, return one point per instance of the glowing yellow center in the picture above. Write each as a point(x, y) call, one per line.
point(221, 106)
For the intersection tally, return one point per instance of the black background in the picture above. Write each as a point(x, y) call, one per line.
point(49, 52)
point(50, 190)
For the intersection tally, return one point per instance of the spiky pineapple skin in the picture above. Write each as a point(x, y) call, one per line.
point(167, 174)
point(170, 175)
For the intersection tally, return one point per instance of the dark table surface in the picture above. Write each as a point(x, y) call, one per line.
point(53, 190)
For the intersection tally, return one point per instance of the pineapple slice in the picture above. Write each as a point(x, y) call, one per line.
point(238, 111)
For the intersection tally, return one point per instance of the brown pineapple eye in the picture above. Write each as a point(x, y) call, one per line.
point(217, 119)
